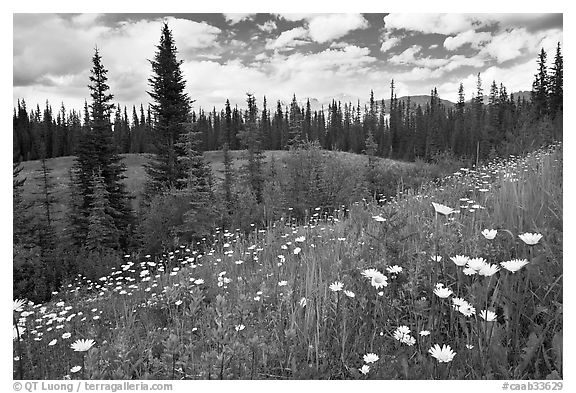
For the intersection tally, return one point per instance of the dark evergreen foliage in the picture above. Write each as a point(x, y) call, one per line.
point(171, 110)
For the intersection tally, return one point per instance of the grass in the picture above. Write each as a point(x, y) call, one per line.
point(136, 175)
point(259, 306)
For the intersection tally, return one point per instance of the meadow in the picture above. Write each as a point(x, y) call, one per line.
point(461, 279)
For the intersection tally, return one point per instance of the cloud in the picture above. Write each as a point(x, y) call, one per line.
point(389, 42)
point(237, 17)
point(124, 47)
point(268, 26)
point(431, 23)
point(406, 57)
point(289, 38)
point(514, 78)
point(294, 17)
point(509, 45)
point(326, 28)
point(468, 37)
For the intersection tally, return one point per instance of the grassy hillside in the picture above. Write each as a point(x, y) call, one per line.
point(136, 175)
point(364, 294)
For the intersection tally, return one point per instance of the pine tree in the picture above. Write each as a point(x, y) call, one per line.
point(171, 109)
point(97, 154)
point(102, 232)
point(556, 84)
point(252, 140)
point(195, 187)
point(295, 123)
point(540, 88)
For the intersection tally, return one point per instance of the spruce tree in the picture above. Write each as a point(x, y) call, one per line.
point(540, 88)
point(556, 84)
point(252, 140)
point(171, 109)
point(195, 186)
point(103, 235)
point(97, 154)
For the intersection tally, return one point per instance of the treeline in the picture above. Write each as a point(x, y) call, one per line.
point(402, 130)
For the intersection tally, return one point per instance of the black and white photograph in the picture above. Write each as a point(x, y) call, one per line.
point(287, 196)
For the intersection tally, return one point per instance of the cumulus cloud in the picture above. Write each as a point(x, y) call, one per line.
point(237, 17)
point(268, 26)
point(389, 42)
point(280, 75)
point(431, 23)
point(511, 44)
point(325, 28)
point(406, 57)
point(289, 38)
point(468, 37)
point(515, 78)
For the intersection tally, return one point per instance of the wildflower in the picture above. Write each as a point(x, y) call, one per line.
point(488, 270)
point(409, 340)
point(442, 292)
point(436, 258)
point(379, 218)
point(239, 327)
point(199, 281)
point(469, 271)
point(394, 269)
point(66, 335)
point(371, 358)
point(239, 262)
point(297, 250)
point(489, 233)
point(369, 273)
point(443, 355)
point(379, 280)
point(424, 333)
point(364, 369)
point(467, 310)
point(468, 346)
point(336, 286)
point(18, 304)
point(178, 302)
point(82, 345)
point(53, 342)
point(303, 302)
point(442, 209)
point(460, 260)
point(476, 263)
point(256, 298)
point(283, 283)
point(300, 239)
point(514, 265)
point(75, 369)
point(488, 315)
point(530, 238)
point(349, 293)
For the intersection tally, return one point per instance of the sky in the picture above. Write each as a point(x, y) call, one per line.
point(316, 56)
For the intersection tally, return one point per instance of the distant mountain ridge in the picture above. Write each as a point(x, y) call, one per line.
point(415, 100)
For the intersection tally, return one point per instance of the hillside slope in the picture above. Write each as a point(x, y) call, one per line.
point(366, 296)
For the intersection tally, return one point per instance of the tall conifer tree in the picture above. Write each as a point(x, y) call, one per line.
point(171, 109)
